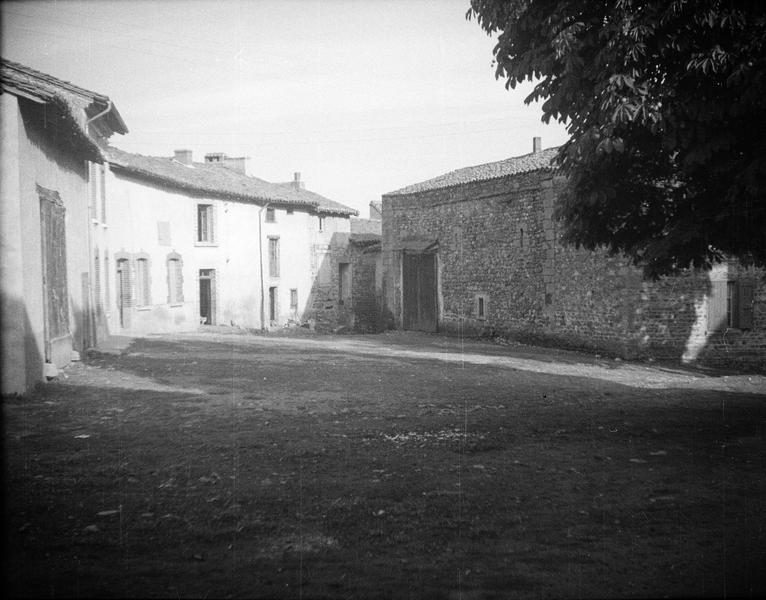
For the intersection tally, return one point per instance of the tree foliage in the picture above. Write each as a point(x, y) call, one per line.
point(665, 104)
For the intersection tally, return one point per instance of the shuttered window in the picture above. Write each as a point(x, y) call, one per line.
point(205, 223)
point(175, 279)
point(274, 257)
point(143, 297)
point(730, 305)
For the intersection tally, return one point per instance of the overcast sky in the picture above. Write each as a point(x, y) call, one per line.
point(361, 97)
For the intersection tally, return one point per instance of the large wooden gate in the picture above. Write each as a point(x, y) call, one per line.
point(419, 301)
point(57, 337)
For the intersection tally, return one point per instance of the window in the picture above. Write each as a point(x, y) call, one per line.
point(93, 190)
point(321, 223)
point(289, 211)
point(274, 257)
point(730, 305)
point(106, 280)
point(521, 237)
point(102, 191)
point(271, 215)
point(143, 297)
point(175, 279)
point(344, 282)
point(294, 300)
point(205, 224)
point(97, 277)
point(480, 306)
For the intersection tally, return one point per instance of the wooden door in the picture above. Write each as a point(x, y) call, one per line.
point(419, 292)
point(57, 337)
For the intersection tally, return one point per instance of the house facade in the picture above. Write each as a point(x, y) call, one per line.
point(202, 243)
point(477, 251)
point(51, 134)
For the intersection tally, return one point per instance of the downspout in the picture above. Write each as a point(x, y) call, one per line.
point(92, 210)
point(260, 258)
point(101, 114)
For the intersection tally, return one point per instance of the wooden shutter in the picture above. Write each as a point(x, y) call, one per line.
point(716, 309)
point(102, 191)
point(745, 305)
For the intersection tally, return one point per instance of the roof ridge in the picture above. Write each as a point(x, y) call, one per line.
point(514, 165)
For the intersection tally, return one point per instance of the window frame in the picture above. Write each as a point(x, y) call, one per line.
point(175, 284)
point(210, 238)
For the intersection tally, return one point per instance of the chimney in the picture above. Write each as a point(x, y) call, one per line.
point(537, 144)
point(184, 156)
point(297, 183)
point(238, 164)
point(214, 157)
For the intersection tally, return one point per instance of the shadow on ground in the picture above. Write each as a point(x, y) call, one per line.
point(348, 467)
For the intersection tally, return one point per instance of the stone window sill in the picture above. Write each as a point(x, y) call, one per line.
point(206, 244)
point(143, 308)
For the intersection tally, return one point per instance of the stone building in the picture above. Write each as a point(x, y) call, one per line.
point(477, 251)
point(203, 243)
point(52, 137)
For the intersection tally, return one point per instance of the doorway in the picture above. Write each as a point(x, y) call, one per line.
point(419, 298)
point(273, 308)
point(56, 335)
point(207, 296)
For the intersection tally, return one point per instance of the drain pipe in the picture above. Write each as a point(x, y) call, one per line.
point(101, 114)
point(260, 258)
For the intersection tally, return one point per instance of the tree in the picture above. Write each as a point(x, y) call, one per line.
point(665, 104)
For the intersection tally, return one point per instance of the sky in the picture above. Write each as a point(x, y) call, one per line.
point(361, 97)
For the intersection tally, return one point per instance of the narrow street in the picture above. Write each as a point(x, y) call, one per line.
point(393, 466)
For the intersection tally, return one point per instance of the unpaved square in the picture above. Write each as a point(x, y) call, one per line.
point(391, 466)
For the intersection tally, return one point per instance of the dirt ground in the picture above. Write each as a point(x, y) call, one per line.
point(392, 466)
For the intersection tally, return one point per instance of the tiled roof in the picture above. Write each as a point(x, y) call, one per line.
point(218, 180)
point(364, 239)
point(29, 82)
point(323, 205)
point(494, 170)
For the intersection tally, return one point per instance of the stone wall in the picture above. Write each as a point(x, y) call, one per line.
point(361, 310)
point(498, 241)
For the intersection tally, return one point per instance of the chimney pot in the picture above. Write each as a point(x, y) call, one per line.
point(297, 183)
point(184, 156)
point(215, 157)
point(537, 144)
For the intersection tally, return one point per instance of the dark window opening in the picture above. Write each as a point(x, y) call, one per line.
point(271, 215)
